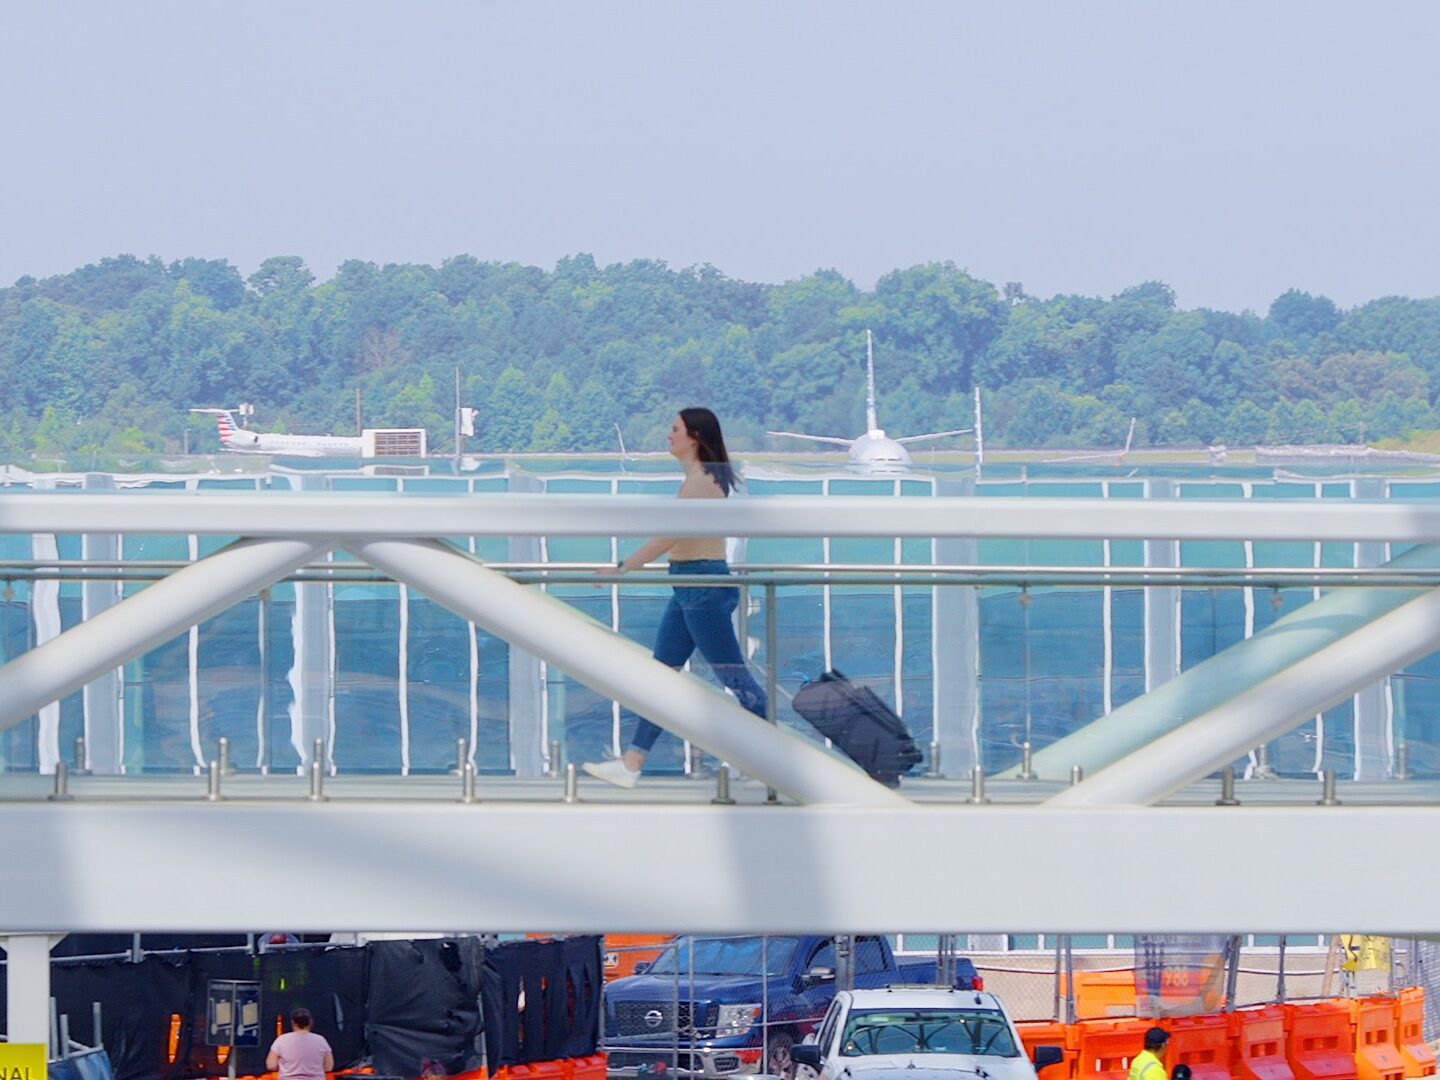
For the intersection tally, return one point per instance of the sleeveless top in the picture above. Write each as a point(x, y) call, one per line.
point(692, 548)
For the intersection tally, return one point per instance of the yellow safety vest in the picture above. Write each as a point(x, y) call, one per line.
point(1147, 1066)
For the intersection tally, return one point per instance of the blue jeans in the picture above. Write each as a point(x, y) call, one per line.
point(698, 616)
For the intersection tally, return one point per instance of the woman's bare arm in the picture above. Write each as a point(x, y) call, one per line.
point(648, 553)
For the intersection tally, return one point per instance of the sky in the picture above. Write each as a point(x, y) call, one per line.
point(1231, 149)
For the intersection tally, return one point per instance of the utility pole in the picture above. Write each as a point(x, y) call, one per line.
point(359, 424)
point(457, 420)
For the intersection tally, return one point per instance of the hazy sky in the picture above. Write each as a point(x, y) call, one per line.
point(1233, 150)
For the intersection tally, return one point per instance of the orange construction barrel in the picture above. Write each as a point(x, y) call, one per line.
point(1320, 1046)
point(1258, 1044)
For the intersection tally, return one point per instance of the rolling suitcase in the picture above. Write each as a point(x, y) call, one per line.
point(860, 724)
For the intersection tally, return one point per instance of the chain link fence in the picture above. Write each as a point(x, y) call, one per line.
point(685, 1016)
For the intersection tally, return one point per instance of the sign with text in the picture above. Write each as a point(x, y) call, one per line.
point(23, 1061)
point(232, 1013)
point(1180, 974)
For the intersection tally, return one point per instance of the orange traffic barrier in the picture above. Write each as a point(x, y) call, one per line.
point(589, 1068)
point(1035, 1033)
point(1320, 1046)
point(1375, 1020)
point(1258, 1050)
point(1105, 1048)
point(1415, 1052)
point(1202, 1042)
point(1103, 994)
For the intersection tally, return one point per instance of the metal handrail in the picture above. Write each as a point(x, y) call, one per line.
point(792, 574)
point(789, 575)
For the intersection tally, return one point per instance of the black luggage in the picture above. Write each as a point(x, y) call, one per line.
point(860, 724)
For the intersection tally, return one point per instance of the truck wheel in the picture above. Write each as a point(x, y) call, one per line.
point(779, 1062)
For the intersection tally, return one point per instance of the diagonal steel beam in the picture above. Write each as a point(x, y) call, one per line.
point(1270, 707)
point(149, 618)
point(1213, 682)
point(620, 669)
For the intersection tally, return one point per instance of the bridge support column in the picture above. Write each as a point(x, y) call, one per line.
point(956, 650)
point(103, 737)
point(1162, 603)
point(27, 987)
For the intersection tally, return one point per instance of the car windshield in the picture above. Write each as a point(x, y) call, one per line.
point(927, 1031)
point(725, 956)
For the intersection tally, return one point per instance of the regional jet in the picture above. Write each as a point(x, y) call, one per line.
point(874, 450)
point(243, 441)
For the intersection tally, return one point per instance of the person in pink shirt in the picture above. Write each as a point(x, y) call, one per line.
point(300, 1054)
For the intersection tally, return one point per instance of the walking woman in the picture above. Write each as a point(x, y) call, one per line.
point(698, 616)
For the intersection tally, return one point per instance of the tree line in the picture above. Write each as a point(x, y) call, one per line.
point(109, 358)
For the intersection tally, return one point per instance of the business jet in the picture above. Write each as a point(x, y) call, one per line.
point(874, 451)
point(243, 441)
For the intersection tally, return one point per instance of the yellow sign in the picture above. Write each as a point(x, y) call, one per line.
point(22, 1061)
point(1362, 952)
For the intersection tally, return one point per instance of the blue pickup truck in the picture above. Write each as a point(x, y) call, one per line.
point(712, 1007)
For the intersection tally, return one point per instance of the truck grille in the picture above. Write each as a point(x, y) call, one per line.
point(658, 1017)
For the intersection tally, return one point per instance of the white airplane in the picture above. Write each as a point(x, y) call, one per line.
point(243, 441)
point(874, 450)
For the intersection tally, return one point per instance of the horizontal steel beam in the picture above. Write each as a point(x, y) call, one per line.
point(398, 516)
point(507, 867)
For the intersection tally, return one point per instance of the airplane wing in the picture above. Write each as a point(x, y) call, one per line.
point(935, 435)
point(813, 438)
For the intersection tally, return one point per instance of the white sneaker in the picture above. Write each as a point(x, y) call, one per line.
point(614, 771)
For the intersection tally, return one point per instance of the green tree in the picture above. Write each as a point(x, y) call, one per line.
point(1169, 366)
point(1348, 421)
point(594, 417)
point(1246, 425)
point(551, 433)
point(1297, 316)
point(418, 404)
point(510, 414)
point(1044, 417)
point(940, 317)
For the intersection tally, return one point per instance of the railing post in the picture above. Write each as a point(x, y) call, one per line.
point(772, 683)
point(317, 772)
point(62, 783)
point(467, 783)
point(1227, 788)
point(1027, 762)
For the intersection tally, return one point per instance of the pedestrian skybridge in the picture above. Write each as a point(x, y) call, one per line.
point(1160, 815)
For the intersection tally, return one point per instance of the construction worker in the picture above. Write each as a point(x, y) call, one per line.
point(1149, 1064)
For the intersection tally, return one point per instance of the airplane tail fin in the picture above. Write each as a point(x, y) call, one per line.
point(226, 423)
point(872, 422)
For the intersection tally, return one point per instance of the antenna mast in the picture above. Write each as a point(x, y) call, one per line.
point(871, 422)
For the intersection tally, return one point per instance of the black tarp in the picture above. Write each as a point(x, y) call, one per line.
point(548, 993)
point(391, 1003)
point(424, 1002)
point(137, 1001)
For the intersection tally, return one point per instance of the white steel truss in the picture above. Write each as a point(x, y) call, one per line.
point(854, 855)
